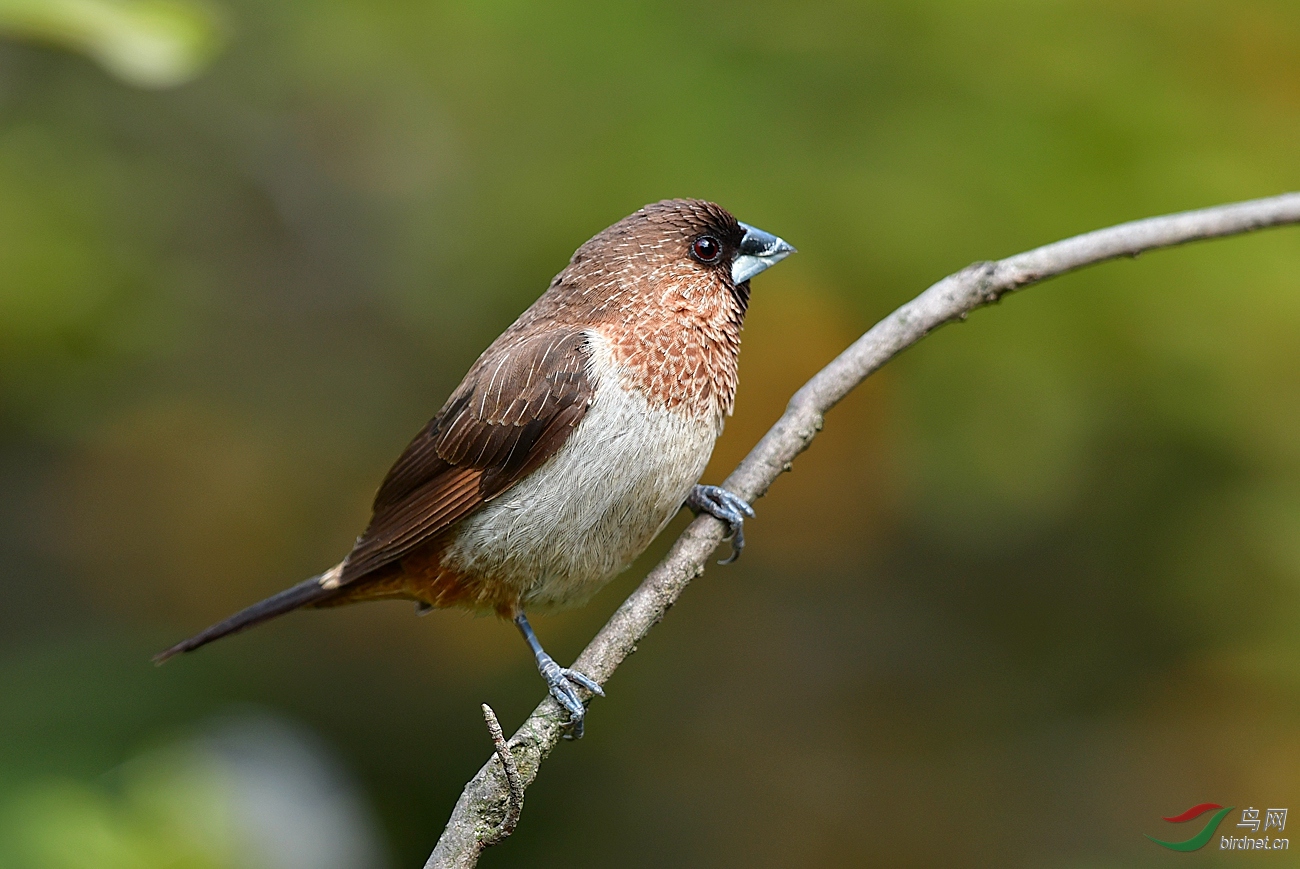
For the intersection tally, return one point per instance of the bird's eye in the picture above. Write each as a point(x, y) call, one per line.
point(706, 249)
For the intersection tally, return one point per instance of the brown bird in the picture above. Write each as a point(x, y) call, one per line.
point(571, 442)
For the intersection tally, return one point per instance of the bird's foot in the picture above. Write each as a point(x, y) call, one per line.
point(562, 682)
point(725, 507)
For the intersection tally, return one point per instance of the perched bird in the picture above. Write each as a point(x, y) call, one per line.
point(571, 442)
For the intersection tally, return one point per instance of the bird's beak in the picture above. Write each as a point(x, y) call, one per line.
point(758, 251)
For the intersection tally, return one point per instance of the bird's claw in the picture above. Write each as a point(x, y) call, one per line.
point(562, 682)
point(725, 507)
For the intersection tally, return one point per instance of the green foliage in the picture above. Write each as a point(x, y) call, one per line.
point(171, 814)
point(148, 43)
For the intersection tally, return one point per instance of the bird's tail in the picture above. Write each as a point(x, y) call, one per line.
point(309, 591)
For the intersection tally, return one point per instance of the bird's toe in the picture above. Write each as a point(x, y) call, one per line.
point(564, 683)
point(726, 507)
point(584, 680)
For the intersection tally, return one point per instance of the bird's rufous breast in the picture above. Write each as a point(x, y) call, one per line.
point(681, 349)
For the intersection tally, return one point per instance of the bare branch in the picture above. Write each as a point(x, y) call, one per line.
point(514, 785)
point(950, 299)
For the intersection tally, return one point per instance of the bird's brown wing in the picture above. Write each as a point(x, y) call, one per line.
point(516, 407)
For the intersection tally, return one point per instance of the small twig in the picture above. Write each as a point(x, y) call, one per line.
point(950, 299)
point(514, 784)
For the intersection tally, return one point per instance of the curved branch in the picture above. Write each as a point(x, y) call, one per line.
point(477, 814)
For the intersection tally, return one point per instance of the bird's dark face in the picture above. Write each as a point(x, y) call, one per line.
point(675, 253)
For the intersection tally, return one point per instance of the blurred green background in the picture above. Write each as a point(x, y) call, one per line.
point(1036, 586)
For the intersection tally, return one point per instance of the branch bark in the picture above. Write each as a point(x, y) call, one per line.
point(485, 803)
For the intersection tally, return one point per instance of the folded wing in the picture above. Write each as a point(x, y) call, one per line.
point(514, 410)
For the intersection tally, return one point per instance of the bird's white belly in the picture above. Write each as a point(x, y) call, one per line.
point(566, 529)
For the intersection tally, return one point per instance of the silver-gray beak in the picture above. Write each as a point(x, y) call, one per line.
point(758, 251)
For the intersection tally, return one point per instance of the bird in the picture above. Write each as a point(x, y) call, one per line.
point(569, 444)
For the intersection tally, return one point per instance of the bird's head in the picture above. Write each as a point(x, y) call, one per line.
point(676, 254)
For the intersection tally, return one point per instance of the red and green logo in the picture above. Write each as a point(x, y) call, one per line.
point(1201, 838)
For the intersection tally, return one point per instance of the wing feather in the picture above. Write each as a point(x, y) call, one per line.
point(514, 410)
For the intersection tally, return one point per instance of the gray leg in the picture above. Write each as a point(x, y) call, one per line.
point(560, 680)
point(726, 507)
